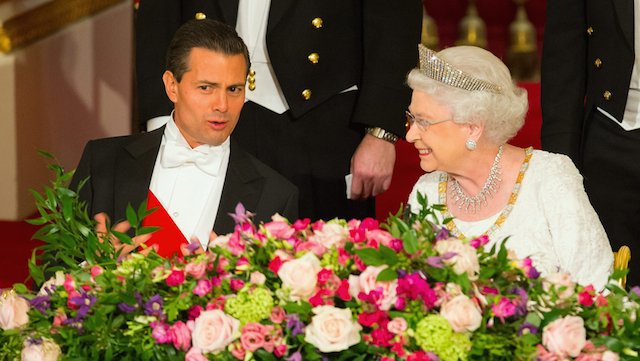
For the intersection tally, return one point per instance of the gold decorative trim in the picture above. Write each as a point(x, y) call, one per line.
point(46, 19)
point(442, 190)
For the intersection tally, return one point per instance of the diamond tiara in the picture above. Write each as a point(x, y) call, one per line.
point(438, 69)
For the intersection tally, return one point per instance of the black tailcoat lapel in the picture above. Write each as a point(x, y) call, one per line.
point(133, 172)
point(243, 184)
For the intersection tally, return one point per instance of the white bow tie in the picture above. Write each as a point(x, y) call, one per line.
point(208, 159)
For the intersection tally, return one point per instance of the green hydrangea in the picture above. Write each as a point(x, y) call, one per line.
point(434, 333)
point(250, 306)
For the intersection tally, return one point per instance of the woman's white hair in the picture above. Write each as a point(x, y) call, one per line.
point(501, 114)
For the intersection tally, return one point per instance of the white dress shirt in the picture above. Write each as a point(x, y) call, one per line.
point(190, 195)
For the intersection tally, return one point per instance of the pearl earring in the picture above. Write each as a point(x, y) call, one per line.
point(471, 144)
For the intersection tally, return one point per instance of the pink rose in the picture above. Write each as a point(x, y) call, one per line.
point(280, 229)
point(397, 326)
point(465, 260)
point(331, 234)
point(96, 270)
point(300, 276)
point(257, 278)
point(281, 350)
point(366, 283)
point(214, 330)
point(589, 357)
point(181, 336)
point(565, 336)
point(13, 312)
point(311, 245)
point(69, 284)
point(332, 329)
point(195, 354)
point(202, 288)
point(176, 278)
point(560, 279)
point(462, 313)
point(380, 236)
point(610, 356)
point(277, 315)
point(236, 284)
point(197, 270)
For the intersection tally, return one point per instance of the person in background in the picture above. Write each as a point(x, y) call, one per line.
point(464, 109)
point(591, 107)
point(325, 92)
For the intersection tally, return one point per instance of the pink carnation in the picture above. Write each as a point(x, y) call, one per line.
point(280, 229)
point(504, 308)
point(197, 270)
point(202, 288)
point(181, 336)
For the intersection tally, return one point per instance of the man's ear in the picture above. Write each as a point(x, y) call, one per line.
point(170, 86)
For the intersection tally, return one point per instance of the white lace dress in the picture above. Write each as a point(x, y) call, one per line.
point(551, 220)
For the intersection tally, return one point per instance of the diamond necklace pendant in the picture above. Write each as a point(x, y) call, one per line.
point(491, 185)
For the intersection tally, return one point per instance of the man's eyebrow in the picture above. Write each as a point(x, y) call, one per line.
point(212, 83)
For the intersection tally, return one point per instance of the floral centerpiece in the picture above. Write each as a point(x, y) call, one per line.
point(336, 290)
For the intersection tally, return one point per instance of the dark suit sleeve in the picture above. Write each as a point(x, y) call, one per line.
point(564, 73)
point(391, 32)
point(290, 210)
point(83, 172)
point(156, 23)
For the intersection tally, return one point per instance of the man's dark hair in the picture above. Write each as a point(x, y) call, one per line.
point(207, 34)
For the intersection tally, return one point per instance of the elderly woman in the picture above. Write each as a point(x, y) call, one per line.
point(464, 109)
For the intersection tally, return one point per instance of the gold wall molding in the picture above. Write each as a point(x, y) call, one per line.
point(47, 19)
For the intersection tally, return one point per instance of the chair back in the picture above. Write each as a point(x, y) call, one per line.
point(621, 261)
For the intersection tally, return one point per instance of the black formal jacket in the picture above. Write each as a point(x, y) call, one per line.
point(368, 43)
point(587, 61)
point(120, 169)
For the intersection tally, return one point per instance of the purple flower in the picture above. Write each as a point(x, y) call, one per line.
point(127, 308)
point(294, 323)
point(153, 307)
point(242, 215)
point(85, 302)
point(521, 302)
point(76, 323)
point(193, 246)
point(533, 273)
point(636, 290)
point(432, 356)
point(41, 303)
point(296, 356)
point(401, 273)
point(443, 233)
point(435, 261)
point(527, 328)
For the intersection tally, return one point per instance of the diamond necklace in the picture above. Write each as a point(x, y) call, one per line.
point(489, 185)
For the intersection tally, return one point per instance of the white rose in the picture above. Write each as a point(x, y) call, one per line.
point(50, 350)
point(465, 260)
point(58, 280)
point(560, 279)
point(32, 352)
point(332, 330)
point(214, 330)
point(366, 283)
point(462, 313)
point(301, 276)
point(332, 234)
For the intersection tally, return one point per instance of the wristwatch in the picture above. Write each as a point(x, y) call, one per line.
point(382, 134)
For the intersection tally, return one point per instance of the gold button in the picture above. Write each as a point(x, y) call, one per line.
point(252, 72)
point(252, 87)
point(317, 23)
point(314, 58)
point(598, 62)
point(201, 16)
point(590, 31)
point(607, 95)
point(306, 94)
